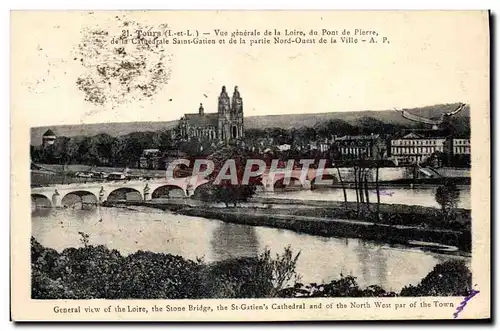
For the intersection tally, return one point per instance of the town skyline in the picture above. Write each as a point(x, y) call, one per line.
point(251, 122)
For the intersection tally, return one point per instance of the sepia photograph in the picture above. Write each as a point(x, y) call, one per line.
point(377, 205)
point(297, 165)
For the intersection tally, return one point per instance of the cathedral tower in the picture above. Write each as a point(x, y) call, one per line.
point(224, 103)
point(236, 102)
point(230, 116)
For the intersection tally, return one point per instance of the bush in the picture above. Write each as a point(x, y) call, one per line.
point(227, 193)
point(451, 278)
point(92, 272)
point(98, 272)
point(447, 196)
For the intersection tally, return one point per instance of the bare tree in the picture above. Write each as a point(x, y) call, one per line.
point(377, 187)
point(367, 192)
point(343, 186)
point(356, 188)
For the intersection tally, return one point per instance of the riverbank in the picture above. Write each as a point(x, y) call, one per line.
point(97, 272)
point(414, 226)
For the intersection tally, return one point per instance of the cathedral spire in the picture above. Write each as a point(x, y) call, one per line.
point(223, 106)
point(223, 92)
point(236, 102)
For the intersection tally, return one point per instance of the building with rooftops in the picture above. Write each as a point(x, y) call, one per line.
point(418, 146)
point(48, 138)
point(225, 125)
point(360, 147)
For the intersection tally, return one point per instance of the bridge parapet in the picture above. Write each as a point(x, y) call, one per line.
point(102, 190)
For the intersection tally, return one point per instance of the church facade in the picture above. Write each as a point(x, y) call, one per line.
point(225, 125)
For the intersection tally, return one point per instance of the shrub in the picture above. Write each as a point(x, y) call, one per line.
point(447, 196)
point(97, 272)
point(451, 278)
point(226, 193)
point(252, 277)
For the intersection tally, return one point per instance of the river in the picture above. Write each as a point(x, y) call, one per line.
point(405, 196)
point(321, 260)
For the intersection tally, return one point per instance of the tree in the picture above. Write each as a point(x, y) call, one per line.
point(450, 278)
point(447, 196)
point(377, 187)
point(343, 186)
point(118, 152)
point(162, 140)
point(356, 189)
point(101, 148)
point(226, 191)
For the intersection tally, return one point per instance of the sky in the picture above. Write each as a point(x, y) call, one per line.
point(431, 59)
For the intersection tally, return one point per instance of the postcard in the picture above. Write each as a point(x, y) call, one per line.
point(250, 165)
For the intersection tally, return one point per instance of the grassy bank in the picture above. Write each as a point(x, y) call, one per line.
point(396, 224)
point(91, 272)
point(328, 227)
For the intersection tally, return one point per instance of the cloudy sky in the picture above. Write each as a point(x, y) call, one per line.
point(62, 75)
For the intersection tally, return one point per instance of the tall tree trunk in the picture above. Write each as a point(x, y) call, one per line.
point(367, 192)
point(360, 186)
point(378, 191)
point(356, 189)
point(343, 187)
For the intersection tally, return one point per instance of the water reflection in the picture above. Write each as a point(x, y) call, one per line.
point(233, 240)
point(321, 259)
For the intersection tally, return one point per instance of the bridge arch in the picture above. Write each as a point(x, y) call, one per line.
point(83, 197)
point(124, 193)
point(40, 201)
point(168, 191)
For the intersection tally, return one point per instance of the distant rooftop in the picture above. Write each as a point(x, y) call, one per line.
point(203, 120)
point(360, 137)
point(419, 134)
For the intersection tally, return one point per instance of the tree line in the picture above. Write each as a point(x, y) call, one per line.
point(106, 150)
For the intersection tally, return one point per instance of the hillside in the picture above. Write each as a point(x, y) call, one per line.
point(283, 121)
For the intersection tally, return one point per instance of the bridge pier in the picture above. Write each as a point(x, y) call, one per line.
point(147, 193)
point(56, 199)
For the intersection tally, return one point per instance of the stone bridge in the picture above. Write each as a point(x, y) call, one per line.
point(98, 192)
point(102, 191)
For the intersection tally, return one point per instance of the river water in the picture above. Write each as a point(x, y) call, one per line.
point(405, 196)
point(321, 260)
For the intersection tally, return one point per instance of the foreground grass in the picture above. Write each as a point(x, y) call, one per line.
point(98, 272)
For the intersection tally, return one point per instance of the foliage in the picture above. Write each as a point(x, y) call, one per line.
point(281, 270)
point(447, 196)
point(97, 272)
point(226, 190)
point(253, 277)
point(450, 278)
point(226, 193)
point(119, 151)
point(102, 149)
point(84, 239)
point(346, 286)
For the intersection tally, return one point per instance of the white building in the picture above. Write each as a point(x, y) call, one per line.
point(461, 146)
point(416, 148)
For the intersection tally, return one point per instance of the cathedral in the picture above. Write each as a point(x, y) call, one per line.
point(225, 125)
